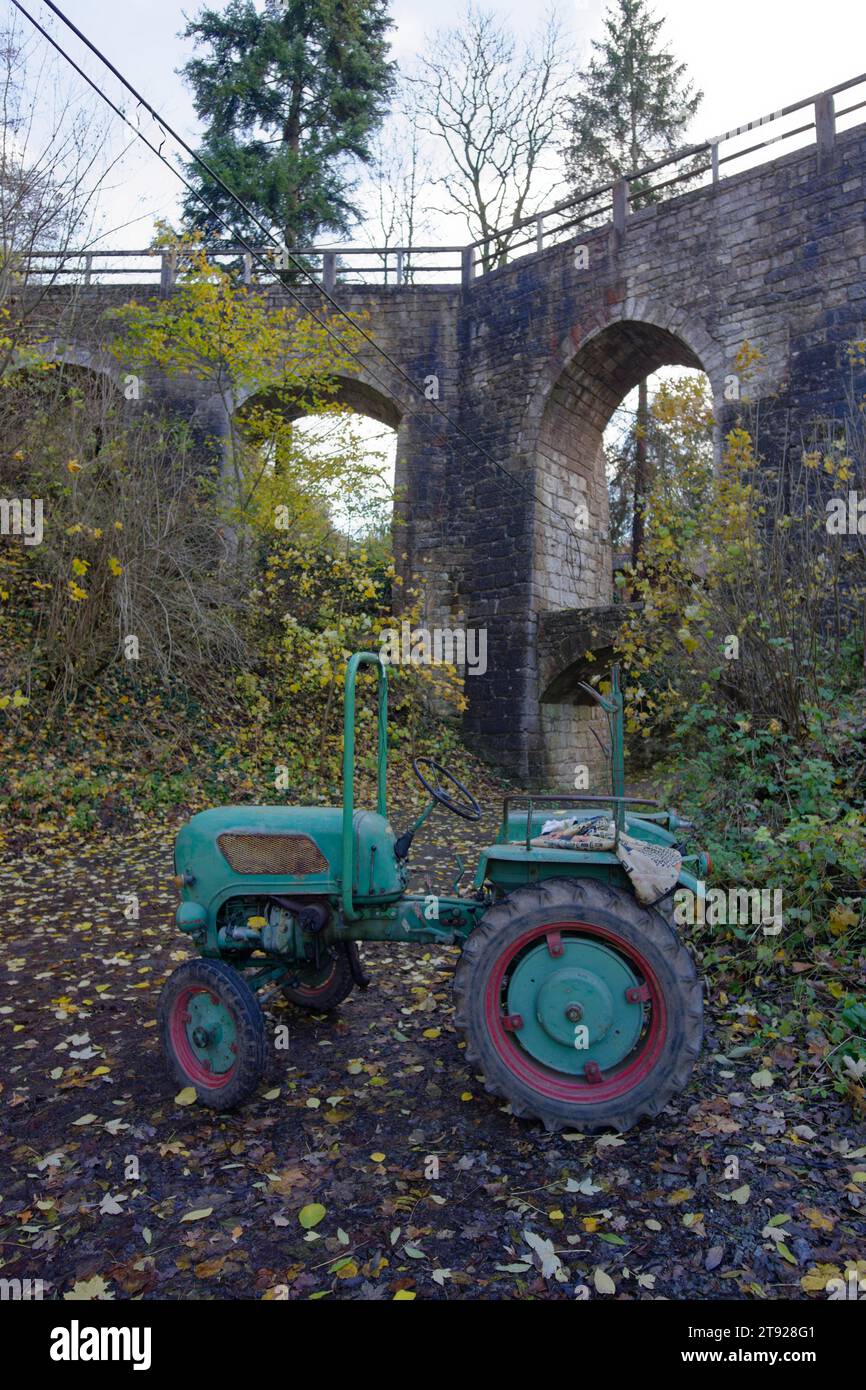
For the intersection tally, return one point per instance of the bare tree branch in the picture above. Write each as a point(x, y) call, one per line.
point(496, 109)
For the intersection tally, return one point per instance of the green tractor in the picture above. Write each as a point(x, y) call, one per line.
point(579, 1005)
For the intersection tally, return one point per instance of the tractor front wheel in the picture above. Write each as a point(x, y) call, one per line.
point(580, 1007)
point(212, 1032)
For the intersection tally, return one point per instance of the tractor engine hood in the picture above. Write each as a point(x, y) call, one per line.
point(289, 850)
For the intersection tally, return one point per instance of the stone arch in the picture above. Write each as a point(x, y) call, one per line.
point(357, 396)
point(595, 367)
point(688, 330)
point(354, 394)
point(94, 374)
point(86, 359)
point(92, 360)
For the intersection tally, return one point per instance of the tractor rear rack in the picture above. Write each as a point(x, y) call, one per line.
point(617, 802)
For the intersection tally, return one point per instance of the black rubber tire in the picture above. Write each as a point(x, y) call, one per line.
point(646, 929)
point(338, 986)
point(234, 992)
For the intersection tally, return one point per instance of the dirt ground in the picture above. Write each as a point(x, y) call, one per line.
point(111, 1189)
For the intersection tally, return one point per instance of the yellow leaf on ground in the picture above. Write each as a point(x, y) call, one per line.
point(85, 1289)
point(310, 1215)
point(198, 1215)
point(815, 1279)
point(817, 1220)
point(603, 1282)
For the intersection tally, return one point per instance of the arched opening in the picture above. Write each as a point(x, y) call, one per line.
point(341, 452)
point(365, 511)
point(655, 447)
point(588, 412)
point(76, 397)
point(569, 457)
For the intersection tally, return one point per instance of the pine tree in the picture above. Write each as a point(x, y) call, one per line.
point(291, 98)
point(635, 102)
point(634, 108)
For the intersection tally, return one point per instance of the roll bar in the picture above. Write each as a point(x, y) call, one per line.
point(360, 659)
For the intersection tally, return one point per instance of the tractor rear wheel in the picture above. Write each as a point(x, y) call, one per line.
point(579, 1006)
point(212, 1032)
point(323, 989)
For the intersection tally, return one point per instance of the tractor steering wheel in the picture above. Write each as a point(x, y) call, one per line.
point(466, 807)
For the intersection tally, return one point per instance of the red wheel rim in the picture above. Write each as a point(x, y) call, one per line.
point(555, 1085)
point(193, 1066)
point(313, 991)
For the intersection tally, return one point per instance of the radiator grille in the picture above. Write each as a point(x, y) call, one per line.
point(290, 855)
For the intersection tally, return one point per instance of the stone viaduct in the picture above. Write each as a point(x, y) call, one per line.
point(533, 357)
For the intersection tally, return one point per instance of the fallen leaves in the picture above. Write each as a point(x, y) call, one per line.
point(681, 1195)
point(818, 1220)
point(310, 1215)
point(630, 1216)
point(602, 1282)
point(762, 1080)
point(817, 1276)
point(546, 1257)
point(284, 1183)
point(88, 1290)
point(112, 1206)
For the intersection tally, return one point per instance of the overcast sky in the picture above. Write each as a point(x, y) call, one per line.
point(749, 57)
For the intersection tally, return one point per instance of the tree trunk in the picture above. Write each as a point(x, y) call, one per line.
point(641, 473)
